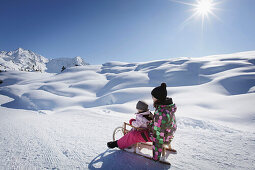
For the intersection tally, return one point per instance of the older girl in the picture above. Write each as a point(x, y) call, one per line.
point(163, 125)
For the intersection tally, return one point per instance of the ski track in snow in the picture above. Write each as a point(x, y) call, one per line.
point(77, 139)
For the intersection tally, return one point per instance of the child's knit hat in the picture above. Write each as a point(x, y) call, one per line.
point(160, 92)
point(141, 105)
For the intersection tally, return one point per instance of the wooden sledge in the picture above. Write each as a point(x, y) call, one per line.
point(166, 150)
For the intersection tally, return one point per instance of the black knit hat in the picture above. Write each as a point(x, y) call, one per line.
point(160, 92)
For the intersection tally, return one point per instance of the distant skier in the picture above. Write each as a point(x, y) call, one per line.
point(163, 125)
point(63, 68)
point(143, 116)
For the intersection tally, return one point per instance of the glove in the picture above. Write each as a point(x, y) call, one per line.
point(131, 120)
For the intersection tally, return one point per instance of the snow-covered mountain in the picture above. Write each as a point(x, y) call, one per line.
point(26, 60)
point(23, 60)
point(63, 121)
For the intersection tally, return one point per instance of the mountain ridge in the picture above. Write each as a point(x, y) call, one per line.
point(27, 60)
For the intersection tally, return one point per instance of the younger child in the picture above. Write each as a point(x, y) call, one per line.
point(134, 136)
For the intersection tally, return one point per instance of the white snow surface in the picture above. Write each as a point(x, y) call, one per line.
point(64, 120)
point(55, 65)
point(26, 60)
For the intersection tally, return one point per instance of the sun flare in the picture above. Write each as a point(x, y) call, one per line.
point(204, 7)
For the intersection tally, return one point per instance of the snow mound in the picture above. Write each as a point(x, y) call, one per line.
point(55, 65)
point(116, 85)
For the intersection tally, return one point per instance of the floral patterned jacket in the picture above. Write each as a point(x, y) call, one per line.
point(162, 127)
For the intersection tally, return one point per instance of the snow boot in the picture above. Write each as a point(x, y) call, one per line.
point(112, 144)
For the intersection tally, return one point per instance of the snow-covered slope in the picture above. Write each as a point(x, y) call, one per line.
point(55, 65)
point(59, 113)
point(26, 60)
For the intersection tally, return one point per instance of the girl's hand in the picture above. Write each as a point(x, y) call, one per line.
point(131, 120)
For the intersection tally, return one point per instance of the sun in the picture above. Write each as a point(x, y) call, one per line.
point(204, 7)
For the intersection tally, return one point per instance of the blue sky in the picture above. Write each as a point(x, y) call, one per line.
point(124, 30)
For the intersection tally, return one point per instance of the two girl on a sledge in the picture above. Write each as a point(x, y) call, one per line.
point(158, 128)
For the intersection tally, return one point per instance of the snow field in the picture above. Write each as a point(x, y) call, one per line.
point(76, 139)
point(63, 121)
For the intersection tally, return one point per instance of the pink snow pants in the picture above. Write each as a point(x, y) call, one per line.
point(133, 137)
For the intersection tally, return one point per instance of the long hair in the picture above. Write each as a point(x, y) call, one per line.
point(157, 103)
point(166, 101)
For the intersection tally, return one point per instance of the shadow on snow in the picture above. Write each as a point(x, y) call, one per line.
point(118, 159)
